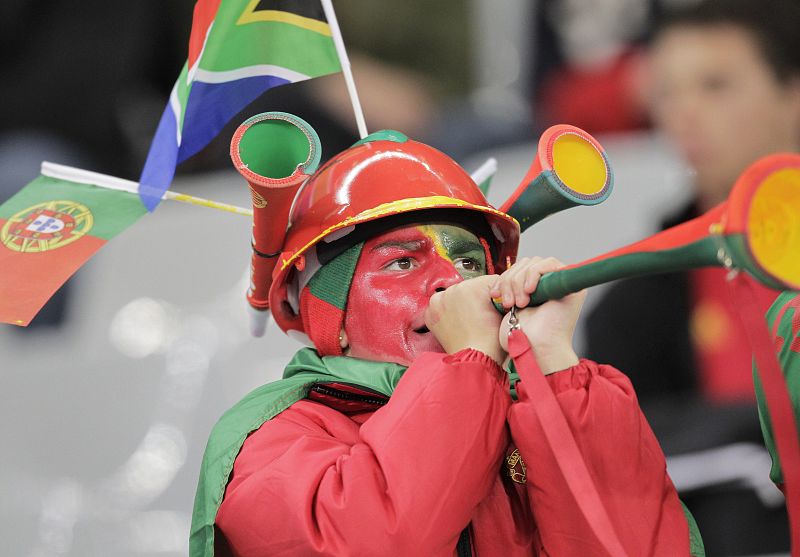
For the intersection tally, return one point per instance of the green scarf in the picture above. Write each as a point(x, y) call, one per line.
point(264, 403)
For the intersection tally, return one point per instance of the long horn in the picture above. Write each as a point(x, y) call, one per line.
point(570, 168)
point(757, 229)
point(275, 152)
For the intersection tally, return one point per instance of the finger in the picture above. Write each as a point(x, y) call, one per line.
point(506, 293)
point(503, 288)
point(516, 280)
point(549, 265)
point(532, 277)
point(486, 281)
point(495, 294)
point(484, 284)
point(521, 295)
point(433, 313)
point(535, 274)
point(495, 289)
point(483, 287)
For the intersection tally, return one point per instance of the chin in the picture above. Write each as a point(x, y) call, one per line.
point(423, 342)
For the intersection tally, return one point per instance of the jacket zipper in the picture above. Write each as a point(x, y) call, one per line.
point(322, 389)
point(464, 545)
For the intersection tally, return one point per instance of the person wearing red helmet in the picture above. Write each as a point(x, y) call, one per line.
point(397, 434)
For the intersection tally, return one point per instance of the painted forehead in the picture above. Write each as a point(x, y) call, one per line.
point(448, 239)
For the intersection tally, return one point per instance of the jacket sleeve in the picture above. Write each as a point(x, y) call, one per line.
point(405, 483)
point(622, 456)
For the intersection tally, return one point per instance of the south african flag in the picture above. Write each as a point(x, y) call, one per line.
point(237, 50)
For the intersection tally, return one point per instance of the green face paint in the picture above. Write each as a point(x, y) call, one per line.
point(458, 246)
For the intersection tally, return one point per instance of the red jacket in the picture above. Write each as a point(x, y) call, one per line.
point(407, 478)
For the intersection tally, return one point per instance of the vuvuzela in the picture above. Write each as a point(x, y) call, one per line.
point(275, 152)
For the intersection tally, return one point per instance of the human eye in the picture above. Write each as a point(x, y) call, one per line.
point(468, 264)
point(400, 264)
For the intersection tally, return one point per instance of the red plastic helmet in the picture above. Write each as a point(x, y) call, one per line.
point(382, 175)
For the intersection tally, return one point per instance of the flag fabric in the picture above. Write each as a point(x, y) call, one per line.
point(47, 231)
point(484, 174)
point(237, 50)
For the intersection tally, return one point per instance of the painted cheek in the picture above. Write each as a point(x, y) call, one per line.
point(380, 312)
point(384, 309)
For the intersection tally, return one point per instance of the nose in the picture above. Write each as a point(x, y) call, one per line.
point(444, 276)
point(680, 113)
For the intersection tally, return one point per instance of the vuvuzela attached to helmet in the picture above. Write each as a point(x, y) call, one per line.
point(275, 152)
point(570, 169)
point(385, 174)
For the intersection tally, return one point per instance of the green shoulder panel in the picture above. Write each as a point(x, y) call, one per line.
point(224, 444)
point(264, 403)
point(783, 319)
point(696, 548)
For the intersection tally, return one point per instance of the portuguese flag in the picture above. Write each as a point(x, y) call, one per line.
point(49, 229)
point(237, 50)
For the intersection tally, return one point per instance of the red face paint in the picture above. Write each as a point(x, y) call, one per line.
point(396, 275)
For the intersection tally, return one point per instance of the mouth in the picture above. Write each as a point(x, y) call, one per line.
point(422, 339)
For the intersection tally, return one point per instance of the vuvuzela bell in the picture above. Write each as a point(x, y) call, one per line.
point(275, 152)
point(757, 230)
point(570, 169)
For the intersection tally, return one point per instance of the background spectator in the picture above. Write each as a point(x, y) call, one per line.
point(725, 78)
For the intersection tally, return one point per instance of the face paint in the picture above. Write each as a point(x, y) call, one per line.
point(396, 275)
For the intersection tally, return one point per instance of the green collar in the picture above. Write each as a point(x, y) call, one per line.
point(264, 403)
point(378, 376)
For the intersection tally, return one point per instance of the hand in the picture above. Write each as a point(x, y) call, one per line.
point(549, 327)
point(463, 317)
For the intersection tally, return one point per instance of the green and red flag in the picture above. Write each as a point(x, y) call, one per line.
point(48, 230)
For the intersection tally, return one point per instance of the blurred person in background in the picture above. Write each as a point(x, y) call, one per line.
point(725, 89)
point(588, 63)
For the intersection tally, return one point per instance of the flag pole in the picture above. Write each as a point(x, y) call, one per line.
point(344, 61)
point(73, 174)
